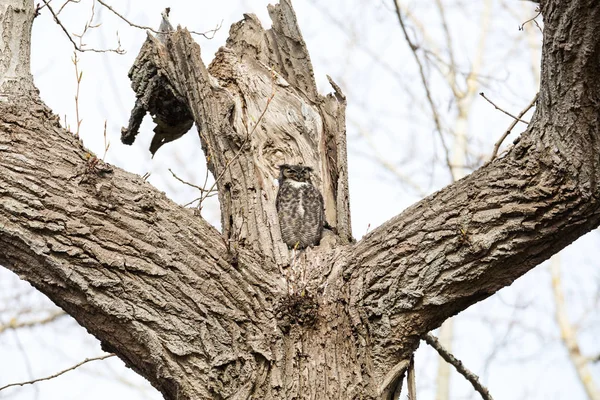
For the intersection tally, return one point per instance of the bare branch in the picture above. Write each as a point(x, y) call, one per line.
point(568, 334)
point(87, 360)
point(14, 324)
point(458, 365)
point(89, 25)
point(201, 189)
point(208, 34)
point(248, 134)
point(118, 50)
point(434, 113)
point(65, 3)
point(532, 19)
point(449, 47)
point(512, 125)
point(464, 101)
point(503, 110)
point(78, 76)
point(106, 142)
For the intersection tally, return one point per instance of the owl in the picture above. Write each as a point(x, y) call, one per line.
point(299, 207)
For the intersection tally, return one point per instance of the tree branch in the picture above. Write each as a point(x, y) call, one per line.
point(465, 242)
point(77, 47)
point(146, 277)
point(208, 34)
point(433, 108)
point(199, 313)
point(14, 324)
point(511, 126)
point(569, 335)
point(517, 118)
point(459, 366)
point(47, 378)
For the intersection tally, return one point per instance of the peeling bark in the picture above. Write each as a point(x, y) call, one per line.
point(15, 42)
point(208, 314)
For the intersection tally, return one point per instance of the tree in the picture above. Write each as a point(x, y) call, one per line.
point(202, 313)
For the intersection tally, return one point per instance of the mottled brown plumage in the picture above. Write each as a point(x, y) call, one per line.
point(299, 206)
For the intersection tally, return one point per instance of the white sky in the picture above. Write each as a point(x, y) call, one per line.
point(361, 46)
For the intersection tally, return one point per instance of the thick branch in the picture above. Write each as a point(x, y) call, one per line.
point(152, 281)
point(465, 242)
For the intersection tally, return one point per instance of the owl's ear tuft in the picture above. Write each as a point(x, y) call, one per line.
point(284, 166)
point(309, 169)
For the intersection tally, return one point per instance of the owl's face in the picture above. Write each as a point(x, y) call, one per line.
point(298, 173)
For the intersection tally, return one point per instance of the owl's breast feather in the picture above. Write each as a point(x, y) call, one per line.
point(296, 184)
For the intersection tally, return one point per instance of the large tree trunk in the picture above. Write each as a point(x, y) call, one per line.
point(208, 314)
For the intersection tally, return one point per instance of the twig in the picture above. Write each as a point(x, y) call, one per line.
point(208, 34)
point(211, 194)
point(87, 360)
point(503, 110)
point(13, 324)
point(376, 155)
point(39, 7)
point(88, 25)
point(118, 50)
point(106, 143)
point(206, 174)
point(78, 76)
point(458, 365)
point(436, 117)
point(449, 47)
point(27, 361)
point(512, 125)
point(47, 4)
point(531, 19)
point(64, 4)
point(201, 189)
point(237, 154)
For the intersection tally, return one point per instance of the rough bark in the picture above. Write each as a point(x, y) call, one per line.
point(207, 314)
point(15, 39)
point(227, 99)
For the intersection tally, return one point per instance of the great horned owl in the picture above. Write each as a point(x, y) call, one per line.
point(299, 206)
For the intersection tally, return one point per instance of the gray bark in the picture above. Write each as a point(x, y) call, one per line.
point(208, 314)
